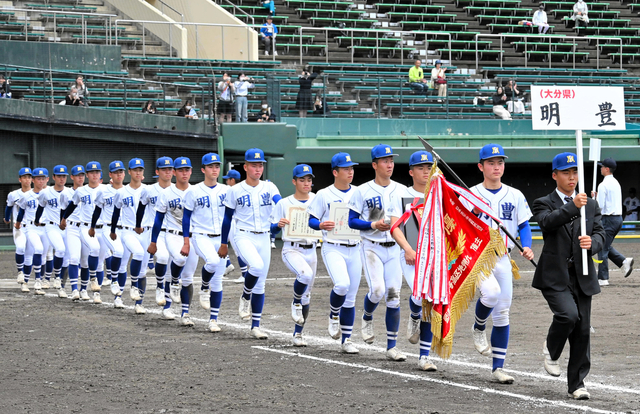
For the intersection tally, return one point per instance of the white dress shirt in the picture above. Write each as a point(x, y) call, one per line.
point(610, 196)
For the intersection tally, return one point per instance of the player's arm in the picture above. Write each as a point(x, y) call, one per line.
point(139, 217)
point(155, 232)
point(355, 222)
point(226, 227)
point(97, 211)
point(7, 214)
point(19, 218)
point(278, 220)
point(114, 222)
point(64, 214)
point(186, 231)
point(39, 212)
point(551, 219)
point(524, 231)
point(398, 236)
point(319, 207)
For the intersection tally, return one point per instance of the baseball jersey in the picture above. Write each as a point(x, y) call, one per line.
point(50, 199)
point(66, 196)
point(371, 201)
point(13, 199)
point(85, 200)
point(29, 203)
point(508, 203)
point(319, 207)
point(280, 211)
point(396, 208)
point(629, 203)
point(127, 199)
point(253, 205)
point(207, 205)
point(149, 197)
point(104, 200)
point(171, 202)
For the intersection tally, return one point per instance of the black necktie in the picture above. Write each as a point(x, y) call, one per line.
point(569, 200)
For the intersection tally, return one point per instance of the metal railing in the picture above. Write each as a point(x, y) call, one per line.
point(247, 15)
point(84, 17)
point(162, 6)
point(545, 38)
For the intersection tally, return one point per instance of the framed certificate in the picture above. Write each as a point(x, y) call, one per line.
point(298, 227)
point(339, 214)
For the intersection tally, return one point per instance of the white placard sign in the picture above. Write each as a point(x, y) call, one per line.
point(577, 107)
point(339, 214)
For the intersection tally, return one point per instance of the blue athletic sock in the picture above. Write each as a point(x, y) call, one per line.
point(84, 278)
point(142, 287)
point(369, 308)
point(249, 283)
point(257, 303)
point(150, 263)
point(93, 266)
point(122, 280)
point(499, 343)
point(243, 267)
point(392, 322)
point(185, 298)
point(426, 337)
point(298, 291)
point(244, 270)
point(416, 309)
point(37, 265)
point(115, 266)
point(167, 296)
point(107, 266)
point(228, 262)
point(161, 271)
point(482, 314)
point(206, 278)
point(27, 272)
point(134, 269)
point(57, 266)
point(48, 269)
point(20, 262)
point(335, 303)
point(347, 318)
point(73, 276)
point(100, 277)
point(176, 271)
point(215, 300)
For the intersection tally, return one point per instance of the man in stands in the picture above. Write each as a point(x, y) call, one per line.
point(269, 32)
point(540, 20)
point(82, 91)
point(417, 82)
point(580, 14)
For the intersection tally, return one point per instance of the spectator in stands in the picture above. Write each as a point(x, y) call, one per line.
point(320, 107)
point(540, 20)
point(514, 98)
point(188, 110)
point(225, 101)
point(149, 107)
point(499, 100)
point(83, 92)
point(439, 79)
point(417, 82)
point(631, 204)
point(265, 114)
point(580, 14)
point(269, 31)
point(304, 102)
point(5, 89)
point(72, 99)
point(242, 86)
point(269, 5)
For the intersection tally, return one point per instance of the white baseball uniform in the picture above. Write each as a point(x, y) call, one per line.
point(105, 200)
point(150, 197)
point(50, 199)
point(35, 235)
point(396, 210)
point(80, 245)
point(135, 245)
point(19, 238)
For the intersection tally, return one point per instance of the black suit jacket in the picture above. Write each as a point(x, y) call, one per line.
point(554, 218)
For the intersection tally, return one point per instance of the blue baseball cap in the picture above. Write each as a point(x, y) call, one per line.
point(24, 171)
point(381, 151)
point(182, 162)
point(93, 166)
point(77, 169)
point(211, 158)
point(254, 155)
point(60, 170)
point(420, 157)
point(164, 162)
point(116, 166)
point(136, 163)
point(40, 172)
point(342, 159)
point(232, 174)
point(302, 170)
point(564, 161)
point(492, 151)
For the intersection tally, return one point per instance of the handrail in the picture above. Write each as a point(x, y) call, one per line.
point(525, 36)
point(170, 8)
point(253, 21)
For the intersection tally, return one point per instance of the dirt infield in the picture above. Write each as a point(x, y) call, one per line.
point(65, 357)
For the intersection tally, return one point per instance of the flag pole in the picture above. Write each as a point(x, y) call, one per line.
point(581, 186)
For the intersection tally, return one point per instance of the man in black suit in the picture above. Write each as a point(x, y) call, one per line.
point(559, 273)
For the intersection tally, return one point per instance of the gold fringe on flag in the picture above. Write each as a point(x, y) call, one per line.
point(515, 270)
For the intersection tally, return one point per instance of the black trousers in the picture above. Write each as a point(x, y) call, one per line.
point(571, 321)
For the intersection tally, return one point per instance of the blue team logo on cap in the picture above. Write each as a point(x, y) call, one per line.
point(420, 157)
point(116, 166)
point(254, 155)
point(232, 174)
point(136, 163)
point(93, 166)
point(302, 170)
point(40, 172)
point(77, 169)
point(381, 151)
point(491, 151)
point(211, 158)
point(164, 162)
point(24, 171)
point(182, 162)
point(564, 161)
point(60, 170)
point(342, 159)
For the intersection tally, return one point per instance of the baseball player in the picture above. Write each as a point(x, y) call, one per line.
point(101, 220)
point(84, 249)
point(34, 232)
point(12, 209)
point(170, 211)
point(496, 290)
point(420, 164)
point(125, 206)
point(144, 220)
point(341, 257)
point(299, 254)
point(203, 214)
point(232, 178)
point(252, 202)
point(380, 253)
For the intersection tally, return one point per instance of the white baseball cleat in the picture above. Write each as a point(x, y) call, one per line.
point(160, 299)
point(213, 326)
point(106, 281)
point(502, 377)
point(205, 295)
point(96, 298)
point(20, 278)
point(603, 282)
point(75, 295)
point(229, 269)
point(95, 286)
point(296, 313)
point(480, 342)
point(273, 245)
point(259, 333)
point(168, 314)
point(57, 283)
point(185, 320)
point(117, 303)
point(174, 293)
point(334, 327)
point(551, 366)
point(115, 289)
point(425, 364)
point(46, 284)
point(580, 394)
point(394, 354)
point(37, 285)
point(84, 295)
point(62, 293)
point(134, 293)
point(298, 340)
point(244, 309)
point(348, 347)
point(240, 279)
point(24, 288)
point(627, 268)
point(139, 310)
point(413, 330)
point(367, 331)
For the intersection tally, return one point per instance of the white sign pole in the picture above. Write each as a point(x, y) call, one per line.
point(581, 186)
point(594, 155)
